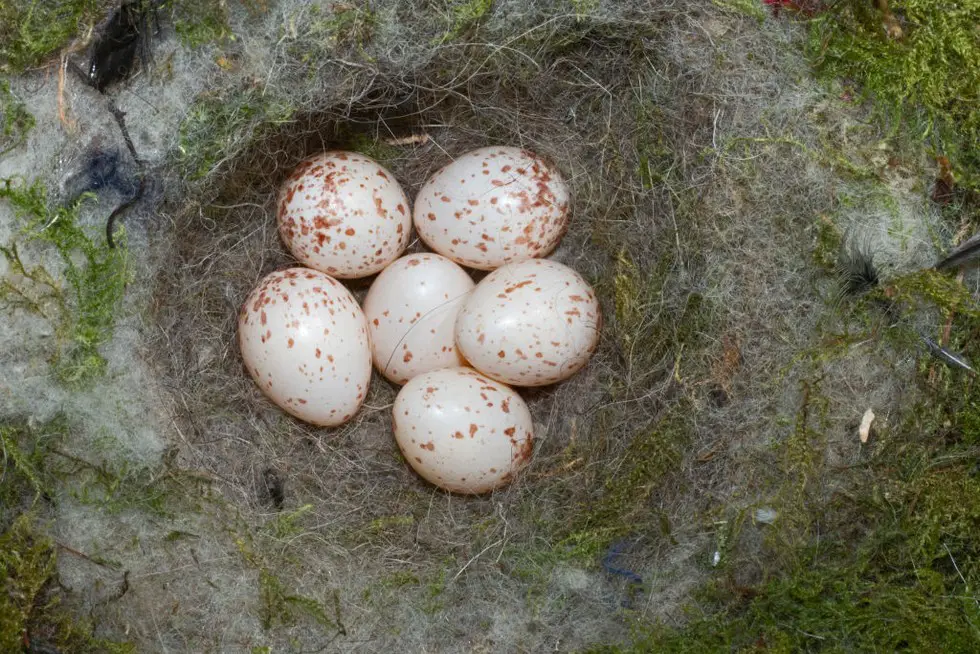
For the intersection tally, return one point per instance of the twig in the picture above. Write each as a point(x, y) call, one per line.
point(72, 550)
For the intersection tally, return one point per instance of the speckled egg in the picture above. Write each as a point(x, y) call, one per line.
point(529, 324)
point(493, 206)
point(343, 214)
point(462, 431)
point(411, 311)
point(306, 344)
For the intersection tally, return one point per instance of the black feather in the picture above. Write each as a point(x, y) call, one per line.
point(966, 253)
point(124, 35)
point(947, 357)
point(104, 169)
point(857, 274)
point(274, 488)
point(856, 271)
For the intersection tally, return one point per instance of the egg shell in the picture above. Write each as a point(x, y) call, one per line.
point(462, 431)
point(343, 214)
point(530, 324)
point(411, 311)
point(493, 206)
point(306, 344)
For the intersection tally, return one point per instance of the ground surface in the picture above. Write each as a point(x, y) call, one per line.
point(703, 458)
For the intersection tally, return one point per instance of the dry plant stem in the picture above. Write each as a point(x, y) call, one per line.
point(72, 550)
point(67, 123)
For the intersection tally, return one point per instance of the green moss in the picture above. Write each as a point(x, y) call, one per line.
point(30, 611)
point(426, 589)
point(881, 556)
point(932, 289)
point(21, 463)
point(462, 16)
point(37, 465)
point(391, 523)
point(831, 607)
point(928, 78)
point(621, 504)
point(396, 580)
point(827, 243)
point(947, 503)
point(745, 7)
point(582, 8)
point(432, 593)
point(218, 124)
point(26, 564)
point(15, 120)
point(893, 568)
point(25, 477)
point(644, 465)
point(200, 22)
point(646, 326)
point(351, 25)
point(286, 525)
point(642, 337)
point(324, 29)
point(115, 488)
point(377, 150)
point(33, 30)
point(85, 313)
point(279, 606)
point(800, 474)
point(29, 601)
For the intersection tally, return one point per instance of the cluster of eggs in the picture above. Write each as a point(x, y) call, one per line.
point(455, 346)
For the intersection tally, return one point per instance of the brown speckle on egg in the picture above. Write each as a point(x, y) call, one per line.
point(339, 200)
point(531, 200)
point(463, 465)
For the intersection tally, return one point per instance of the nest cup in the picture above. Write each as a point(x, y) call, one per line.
point(227, 245)
point(226, 240)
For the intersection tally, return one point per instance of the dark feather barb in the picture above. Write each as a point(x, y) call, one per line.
point(119, 115)
point(946, 356)
point(962, 255)
point(855, 271)
point(123, 37)
point(857, 274)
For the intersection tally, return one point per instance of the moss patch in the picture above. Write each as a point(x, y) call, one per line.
point(15, 120)
point(927, 72)
point(462, 16)
point(84, 314)
point(216, 124)
point(200, 22)
point(33, 30)
point(31, 614)
point(880, 556)
point(623, 505)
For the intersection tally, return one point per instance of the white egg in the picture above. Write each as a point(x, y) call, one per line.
point(343, 214)
point(306, 344)
point(530, 324)
point(493, 206)
point(411, 311)
point(461, 431)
